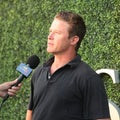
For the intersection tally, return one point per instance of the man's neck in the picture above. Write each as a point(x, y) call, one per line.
point(60, 61)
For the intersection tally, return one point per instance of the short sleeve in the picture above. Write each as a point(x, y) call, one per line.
point(95, 102)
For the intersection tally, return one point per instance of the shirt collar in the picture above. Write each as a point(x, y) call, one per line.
point(75, 61)
point(72, 63)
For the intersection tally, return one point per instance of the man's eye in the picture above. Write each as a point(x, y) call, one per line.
point(57, 32)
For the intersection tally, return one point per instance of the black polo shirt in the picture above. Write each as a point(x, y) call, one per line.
point(73, 92)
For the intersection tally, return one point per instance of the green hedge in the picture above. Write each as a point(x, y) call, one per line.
point(24, 26)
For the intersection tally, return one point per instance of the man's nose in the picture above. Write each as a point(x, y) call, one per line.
point(50, 36)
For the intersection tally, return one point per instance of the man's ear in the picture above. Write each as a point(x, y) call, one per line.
point(74, 40)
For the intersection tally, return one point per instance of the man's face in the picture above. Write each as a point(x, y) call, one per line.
point(58, 41)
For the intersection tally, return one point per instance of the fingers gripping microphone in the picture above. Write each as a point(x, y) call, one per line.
point(25, 70)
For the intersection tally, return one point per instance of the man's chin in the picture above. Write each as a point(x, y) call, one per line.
point(51, 52)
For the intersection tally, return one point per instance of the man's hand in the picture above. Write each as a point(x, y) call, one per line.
point(6, 88)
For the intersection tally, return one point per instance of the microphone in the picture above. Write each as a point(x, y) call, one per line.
point(25, 70)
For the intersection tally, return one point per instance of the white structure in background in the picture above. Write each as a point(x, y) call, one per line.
point(114, 109)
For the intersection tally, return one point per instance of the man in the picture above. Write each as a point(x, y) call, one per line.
point(6, 88)
point(65, 87)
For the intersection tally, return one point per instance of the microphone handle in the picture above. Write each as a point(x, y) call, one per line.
point(20, 78)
